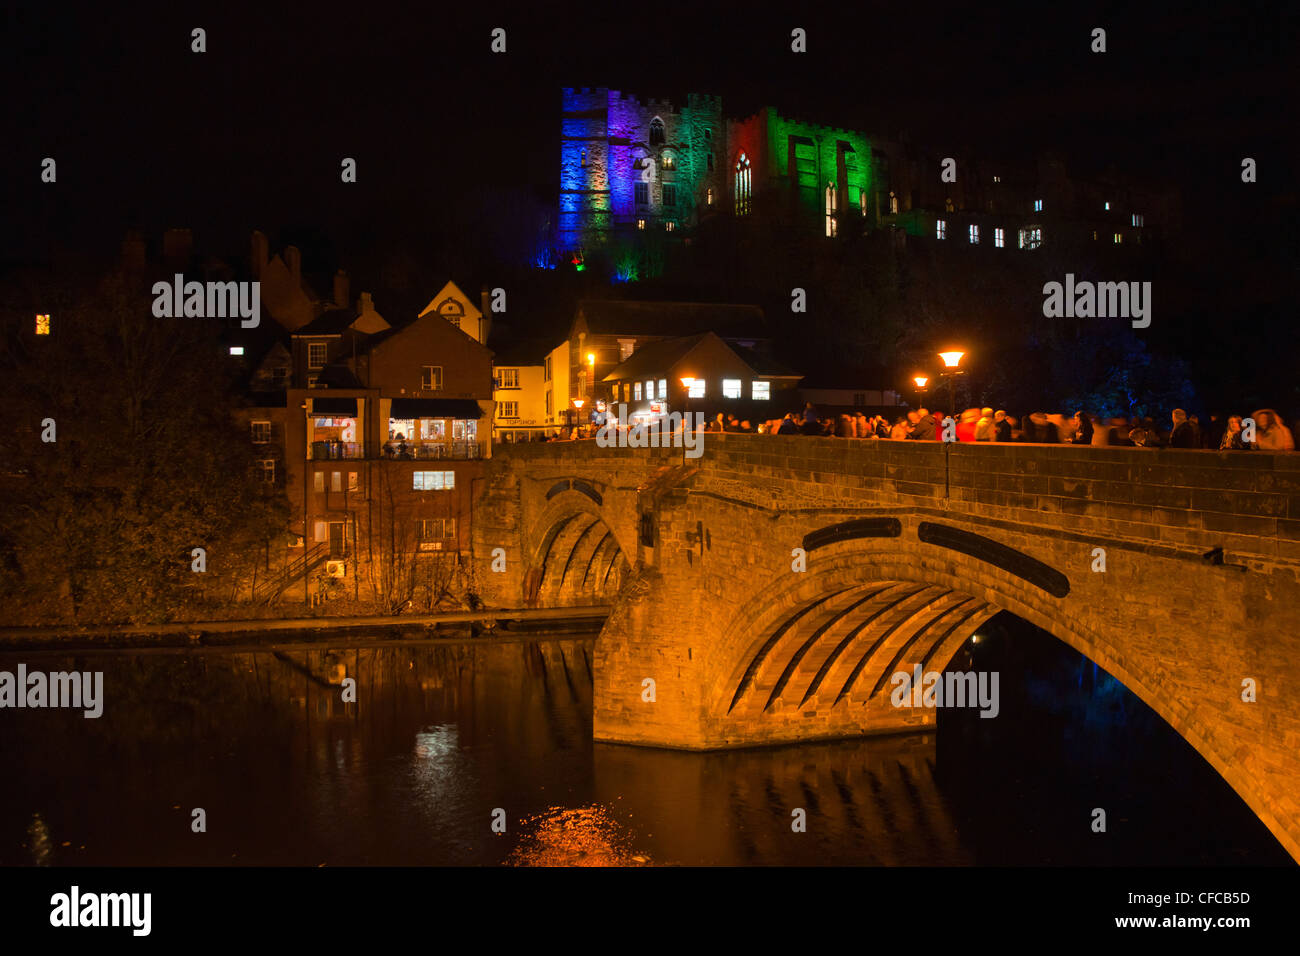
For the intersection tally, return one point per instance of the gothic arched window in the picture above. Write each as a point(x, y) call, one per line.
point(832, 206)
point(742, 185)
point(656, 132)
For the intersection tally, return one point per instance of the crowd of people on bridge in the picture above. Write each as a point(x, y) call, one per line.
point(1183, 430)
point(1269, 432)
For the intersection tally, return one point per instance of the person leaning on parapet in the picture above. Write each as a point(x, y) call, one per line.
point(1184, 434)
point(1001, 426)
point(923, 429)
point(1231, 440)
point(1270, 433)
point(788, 425)
point(984, 428)
point(1082, 425)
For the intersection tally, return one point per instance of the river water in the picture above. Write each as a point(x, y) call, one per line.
point(445, 739)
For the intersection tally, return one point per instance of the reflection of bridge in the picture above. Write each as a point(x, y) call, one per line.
point(910, 547)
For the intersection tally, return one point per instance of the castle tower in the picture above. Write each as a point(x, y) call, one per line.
point(584, 207)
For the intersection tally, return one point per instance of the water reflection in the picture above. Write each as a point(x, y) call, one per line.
point(441, 737)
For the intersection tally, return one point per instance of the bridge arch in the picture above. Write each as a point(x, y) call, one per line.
point(573, 553)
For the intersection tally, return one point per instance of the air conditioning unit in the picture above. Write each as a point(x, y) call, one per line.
point(336, 569)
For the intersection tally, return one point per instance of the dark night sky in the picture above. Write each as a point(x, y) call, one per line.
point(251, 133)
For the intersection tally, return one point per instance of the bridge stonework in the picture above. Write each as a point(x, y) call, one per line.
point(909, 548)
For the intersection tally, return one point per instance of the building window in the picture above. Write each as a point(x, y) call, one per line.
point(509, 410)
point(656, 132)
point(1038, 205)
point(670, 194)
point(318, 481)
point(731, 388)
point(316, 355)
point(548, 403)
point(940, 229)
point(974, 234)
point(742, 185)
point(43, 325)
point(434, 480)
point(709, 196)
point(650, 389)
point(947, 205)
point(1118, 238)
point(668, 161)
point(336, 481)
point(636, 392)
point(670, 225)
point(893, 204)
point(663, 388)
point(279, 376)
point(640, 224)
point(584, 159)
point(997, 179)
point(1031, 238)
point(235, 349)
point(436, 530)
point(999, 238)
point(1138, 219)
point(313, 381)
point(431, 378)
point(353, 483)
point(697, 389)
point(509, 378)
point(627, 392)
point(760, 391)
point(642, 194)
point(261, 432)
point(832, 205)
point(268, 470)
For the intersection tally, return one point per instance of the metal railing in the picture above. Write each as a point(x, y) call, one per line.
point(330, 450)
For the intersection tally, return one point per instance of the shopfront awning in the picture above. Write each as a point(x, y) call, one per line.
point(435, 408)
point(334, 407)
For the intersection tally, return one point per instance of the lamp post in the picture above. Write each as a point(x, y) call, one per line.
point(687, 422)
point(578, 403)
point(951, 369)
point(920, 382)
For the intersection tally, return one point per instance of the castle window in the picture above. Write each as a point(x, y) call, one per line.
point(1138, 219)
point(670, 225)
point(832, 204)
point(584, 158)
point(1031, 238)
point(640, 224)
point(42, 325)
point(893, 204)
point(709, 196)
point(670, 194)
point(1118, 238)
point(947, 205)
point(862, 201)
point(1038, 205)
point(999, 238)
point(742, 185)
point(708, 135)
point(974, 234)
point(940, 229)
point(709, 160)
point(643, 194)
point(997, 179)
point(656, 132)
point(669, 162)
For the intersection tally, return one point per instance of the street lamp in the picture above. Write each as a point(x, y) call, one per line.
point(578, 403)
point(951, 369)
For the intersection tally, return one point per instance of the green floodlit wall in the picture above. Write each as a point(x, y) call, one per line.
point(816, 152)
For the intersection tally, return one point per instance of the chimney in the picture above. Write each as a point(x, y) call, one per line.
point(365, 304)
point(293, 259)
point(485, 306)
point(341, 298)
point(258, 253)
point(178, 247)
point(133, 252)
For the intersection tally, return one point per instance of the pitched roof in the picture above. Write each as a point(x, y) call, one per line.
point(615, 317)
point(654, 358)
point(329, 322)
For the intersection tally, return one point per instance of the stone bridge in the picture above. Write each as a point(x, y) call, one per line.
point(909, 547)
